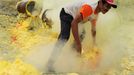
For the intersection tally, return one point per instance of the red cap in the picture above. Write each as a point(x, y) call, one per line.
point(111, 2)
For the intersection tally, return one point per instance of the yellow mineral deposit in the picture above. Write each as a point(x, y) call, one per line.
point(92, 57)
point(25, 39)
point(17, 67)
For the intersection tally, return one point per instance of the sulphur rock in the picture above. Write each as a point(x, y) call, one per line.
point(17, 67)
point(72, 74)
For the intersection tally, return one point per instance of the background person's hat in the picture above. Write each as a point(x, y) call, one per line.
point(111, 2)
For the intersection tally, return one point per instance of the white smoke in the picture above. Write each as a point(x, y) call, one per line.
point(109, 41)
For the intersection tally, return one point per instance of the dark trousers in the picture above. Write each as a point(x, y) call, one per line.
point(65, 20)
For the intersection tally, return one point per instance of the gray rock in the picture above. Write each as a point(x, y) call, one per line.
point(8, 7)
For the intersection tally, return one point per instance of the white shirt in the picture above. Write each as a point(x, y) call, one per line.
point(74, 8)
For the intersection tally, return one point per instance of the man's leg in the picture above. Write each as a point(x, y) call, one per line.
point(66, 20)
point(54, 55)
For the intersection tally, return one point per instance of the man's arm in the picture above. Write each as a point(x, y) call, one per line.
point(93, 30)
point(85, 12)
point(74, 26)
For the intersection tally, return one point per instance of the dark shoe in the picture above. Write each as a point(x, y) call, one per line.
point(50, 68)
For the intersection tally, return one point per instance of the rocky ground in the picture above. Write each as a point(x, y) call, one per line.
point(9, 19)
